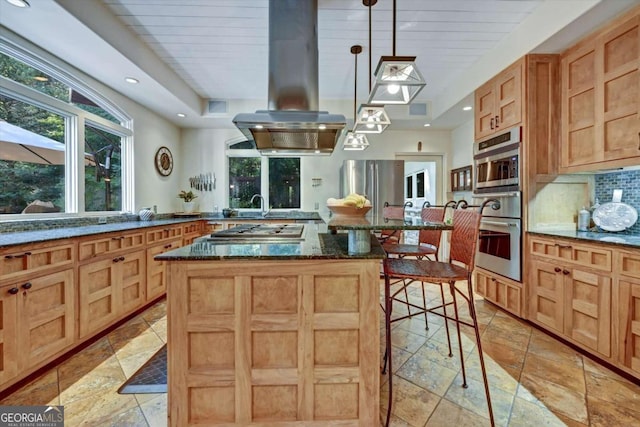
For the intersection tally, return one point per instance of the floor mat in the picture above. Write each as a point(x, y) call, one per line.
point(151, 377)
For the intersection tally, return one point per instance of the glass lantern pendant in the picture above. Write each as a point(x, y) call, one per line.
point(355, 142)
point(371, 119)
point(397, 81)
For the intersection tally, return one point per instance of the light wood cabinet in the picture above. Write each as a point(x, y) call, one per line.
point(259, 346)
point(191, 231)
point(161, 234)
point(34, 259)
point(37, 318)
point(499, 102)
point(499, 290)
point(569, 288)
point(8, 332)
point(628, 298)
point(109, 288)
point(108, 244)
point(601, 98)
point(156, 270)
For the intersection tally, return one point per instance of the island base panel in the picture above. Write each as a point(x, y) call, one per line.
point(260, 342)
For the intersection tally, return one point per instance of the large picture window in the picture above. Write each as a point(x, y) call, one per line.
point(276, 179)
point(46, 124)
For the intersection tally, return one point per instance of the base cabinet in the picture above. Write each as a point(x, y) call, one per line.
point(38, 321)
point(502, 292)
point(156, 270)
point(110, 288)
point(569, 293)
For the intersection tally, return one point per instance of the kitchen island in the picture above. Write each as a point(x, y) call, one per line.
point(263, 332)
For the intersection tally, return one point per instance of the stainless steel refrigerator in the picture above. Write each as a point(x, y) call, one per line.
point(379, 180)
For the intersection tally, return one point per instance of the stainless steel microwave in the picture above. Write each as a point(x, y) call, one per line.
point(497, 162)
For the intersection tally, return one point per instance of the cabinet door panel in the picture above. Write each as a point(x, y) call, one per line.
point(132, 274)
point(485, 110)
point(46, 317)
point(8, 335)
point(156, 270)
point(629, 323)
point(545, 306)
point(98, 293)
point(509, 97)
point(588, 310)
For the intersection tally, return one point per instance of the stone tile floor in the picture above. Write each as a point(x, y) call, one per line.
point(534, 379)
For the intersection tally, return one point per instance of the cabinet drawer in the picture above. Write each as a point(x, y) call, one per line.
point(500, 291)
point(568, 251)
point(161, 234)
point(192, 227)
point(628, 263)
point(34, 259)
point(109, 244)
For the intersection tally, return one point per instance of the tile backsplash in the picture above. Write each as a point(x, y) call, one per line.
point(628, 182)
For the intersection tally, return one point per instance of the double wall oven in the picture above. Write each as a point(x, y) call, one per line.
point(497, 176)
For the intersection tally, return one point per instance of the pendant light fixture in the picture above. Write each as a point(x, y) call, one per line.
point(355, 141)
point(371, 118)
point(397, 78)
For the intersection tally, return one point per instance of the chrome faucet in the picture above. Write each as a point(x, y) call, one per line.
point(264, 212)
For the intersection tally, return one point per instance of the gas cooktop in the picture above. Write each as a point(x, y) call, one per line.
point(261, 231)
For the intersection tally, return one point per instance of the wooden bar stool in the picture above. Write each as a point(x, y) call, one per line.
point(464, 239)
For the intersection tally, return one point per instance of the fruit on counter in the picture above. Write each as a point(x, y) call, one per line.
point(353, 199)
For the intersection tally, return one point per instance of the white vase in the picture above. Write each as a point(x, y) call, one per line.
point(188, 207)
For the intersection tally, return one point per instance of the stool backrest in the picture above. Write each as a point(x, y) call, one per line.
point(431, 237)
point(391, 212)
point(464, 236)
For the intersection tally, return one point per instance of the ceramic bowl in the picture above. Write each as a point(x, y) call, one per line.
point(348, 210)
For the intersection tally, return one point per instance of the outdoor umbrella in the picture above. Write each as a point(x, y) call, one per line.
point(18, 144)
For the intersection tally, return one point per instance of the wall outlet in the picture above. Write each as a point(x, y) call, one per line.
point(316, 206)
point(102, 220)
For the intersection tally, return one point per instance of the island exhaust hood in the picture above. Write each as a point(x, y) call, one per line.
point(292, 124)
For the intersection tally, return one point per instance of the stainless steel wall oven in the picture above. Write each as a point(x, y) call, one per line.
point(497, 164)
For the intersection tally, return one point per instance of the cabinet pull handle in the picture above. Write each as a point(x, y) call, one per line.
point(497, 122)
point(557, 269)
point(115, 238)
point(18, 256)
point(14, 291)
point(121, 258)
point(168, 246)
point(565, 272)
point(491, 123)
point(638, 140)
point(27, 285)
point(563, 246)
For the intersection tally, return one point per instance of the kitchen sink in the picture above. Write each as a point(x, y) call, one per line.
point(250, 233)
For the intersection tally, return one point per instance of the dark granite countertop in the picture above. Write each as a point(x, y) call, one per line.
point(317, 244)
point(22, 237)
point(618, 239)
point(271, 215)
point(374, 222)
point(43, 235)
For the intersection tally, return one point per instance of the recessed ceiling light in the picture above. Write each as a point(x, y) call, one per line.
point(467, 108)
point(131, 80)
point(322, 127)
point(259, 126)
point(427, 125)
point(19, 3)
point(182, 115)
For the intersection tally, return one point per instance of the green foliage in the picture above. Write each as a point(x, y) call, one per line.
point(187, 196)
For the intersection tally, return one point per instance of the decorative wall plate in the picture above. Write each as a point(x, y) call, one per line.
point(615, 216)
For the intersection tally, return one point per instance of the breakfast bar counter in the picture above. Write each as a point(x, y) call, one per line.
point(266, 333)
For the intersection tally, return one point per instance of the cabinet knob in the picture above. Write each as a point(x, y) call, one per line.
point(116, 259)
point(168, 246)
point(557, 269)
point(27, 285)
point(14, 291)
point(121, 258)
point(565, 272)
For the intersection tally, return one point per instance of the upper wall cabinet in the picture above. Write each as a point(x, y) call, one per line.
point(498, 102)
point(601, 98)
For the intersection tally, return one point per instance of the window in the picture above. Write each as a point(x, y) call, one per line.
point(45, 115)
point(32, 159)
point(276, 179)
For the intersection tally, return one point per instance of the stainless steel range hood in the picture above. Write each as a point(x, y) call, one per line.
point(292, 124)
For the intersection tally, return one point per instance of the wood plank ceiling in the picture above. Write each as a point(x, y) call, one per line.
point(219, 47)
